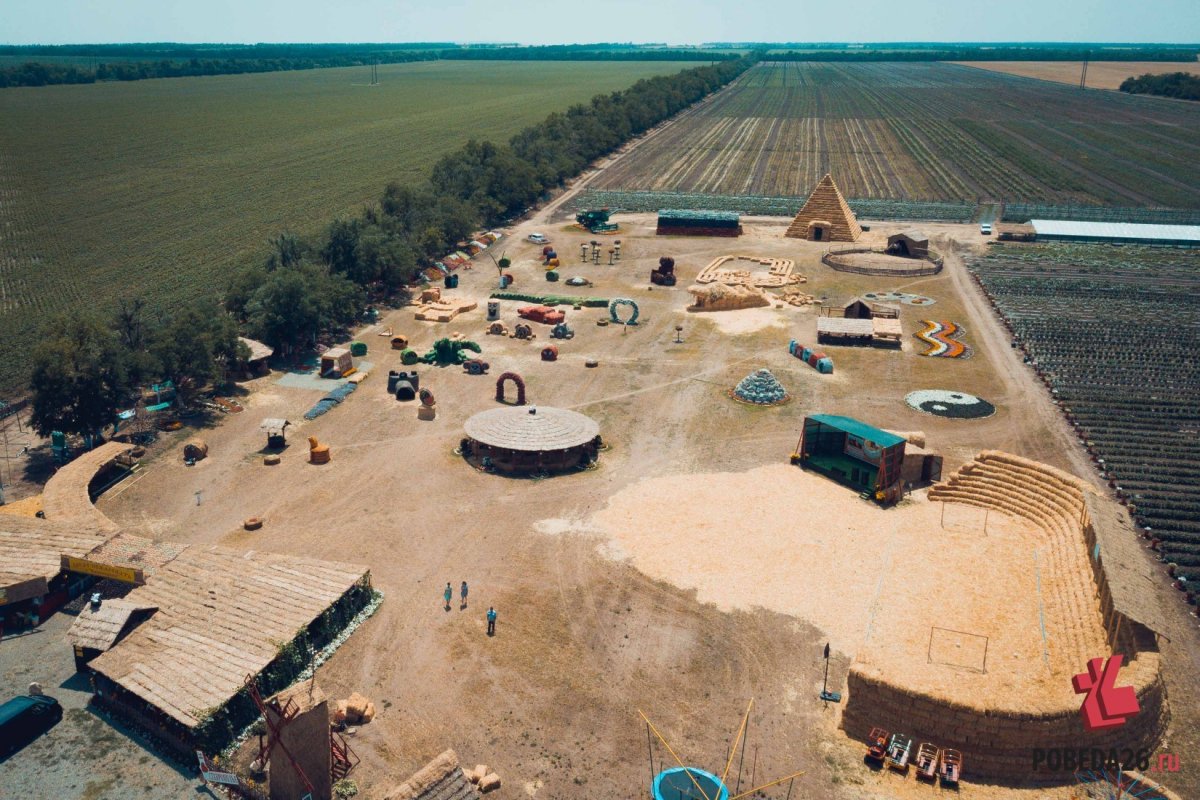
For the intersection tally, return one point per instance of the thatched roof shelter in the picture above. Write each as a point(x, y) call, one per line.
point(222, 615)
point(100, 628)
point(258, 350)
point(1131, 578)
point(31, 553)
point(532, 428)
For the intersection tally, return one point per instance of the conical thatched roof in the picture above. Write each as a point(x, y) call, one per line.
point(532, 428)
point(828, 209)
point(761, 388)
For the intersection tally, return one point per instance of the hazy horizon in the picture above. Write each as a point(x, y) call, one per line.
point(674, 22)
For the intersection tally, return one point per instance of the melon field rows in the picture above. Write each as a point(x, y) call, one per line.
point(923, 131)
point(163, 187)
point(1114, 332)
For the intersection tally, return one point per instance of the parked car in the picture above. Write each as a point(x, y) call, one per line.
point(538, 238)
point(986, 229)
point(24, 718)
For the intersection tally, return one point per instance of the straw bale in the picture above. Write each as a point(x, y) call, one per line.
point(489, 783)
point(440, 779)
point(356, 706)
point(66, 499)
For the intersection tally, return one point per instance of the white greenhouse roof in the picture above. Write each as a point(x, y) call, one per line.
point(1124, 231)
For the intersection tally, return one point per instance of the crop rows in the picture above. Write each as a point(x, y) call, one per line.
point(1114, 332)
point(759, 205)
point(163, 187)
point(923, 131)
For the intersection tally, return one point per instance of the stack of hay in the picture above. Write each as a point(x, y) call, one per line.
point(355, 710)
point(483, 777)
point(762, 389)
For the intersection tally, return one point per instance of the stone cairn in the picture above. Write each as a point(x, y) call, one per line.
point(761, 388)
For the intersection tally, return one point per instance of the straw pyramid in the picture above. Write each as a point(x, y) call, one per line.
point(826, 211)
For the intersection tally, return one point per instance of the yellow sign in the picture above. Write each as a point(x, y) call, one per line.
point(123, 574)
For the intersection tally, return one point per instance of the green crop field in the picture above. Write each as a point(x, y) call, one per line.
point(923, 131)
point(162, 187)
point(1113, 332)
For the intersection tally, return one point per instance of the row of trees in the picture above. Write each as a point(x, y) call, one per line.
point(36, 73)
point(171, 61)
point(306, 288)
point(86, 367)
point(1180, 85)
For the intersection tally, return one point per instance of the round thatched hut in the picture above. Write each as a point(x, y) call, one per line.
point(530, 439)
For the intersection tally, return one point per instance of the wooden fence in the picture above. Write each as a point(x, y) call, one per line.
point(934, 266)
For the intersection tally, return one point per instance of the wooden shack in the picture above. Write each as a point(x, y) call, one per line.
point(336, 362)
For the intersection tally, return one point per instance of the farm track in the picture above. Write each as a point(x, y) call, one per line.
point(936, 132)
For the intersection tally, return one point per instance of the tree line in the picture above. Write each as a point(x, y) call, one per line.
point(86, 368)
point(308, 287)
point(1180, 85)
point(53, 64)
point(36, 73)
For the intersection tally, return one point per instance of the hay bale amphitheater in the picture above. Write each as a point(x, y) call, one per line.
point(1091, 577)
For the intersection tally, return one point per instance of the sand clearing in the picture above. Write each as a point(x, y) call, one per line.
point(1100, 75)
point(875, 580)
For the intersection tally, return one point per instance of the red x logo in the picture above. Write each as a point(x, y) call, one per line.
point(1106, 705)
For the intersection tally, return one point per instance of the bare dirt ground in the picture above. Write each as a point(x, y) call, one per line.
point(585, 637)
point(1100, 74)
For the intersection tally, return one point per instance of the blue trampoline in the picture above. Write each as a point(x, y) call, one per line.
point(677, 784)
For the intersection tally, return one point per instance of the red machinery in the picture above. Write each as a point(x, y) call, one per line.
point(950, 766)
point(545, 314)
point(877, 744)
point(927, 761)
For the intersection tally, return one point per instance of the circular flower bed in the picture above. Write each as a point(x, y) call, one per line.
point(946, 403)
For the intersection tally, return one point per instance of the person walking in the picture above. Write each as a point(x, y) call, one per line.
point(462, 594)
point(446, 595)
point(491, 618)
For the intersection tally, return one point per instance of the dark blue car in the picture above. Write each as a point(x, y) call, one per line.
point(25, 718)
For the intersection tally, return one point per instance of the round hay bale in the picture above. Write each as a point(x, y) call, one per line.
point(195, 449)
point(271, 460)
point(591, 362)
point(602, 322)
point(252, 523)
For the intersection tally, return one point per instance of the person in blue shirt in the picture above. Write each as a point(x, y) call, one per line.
point(491, 618)
point(446, 595)
point(462, 593)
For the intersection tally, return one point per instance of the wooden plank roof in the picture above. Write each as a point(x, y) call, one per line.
point(33, 548)
point(222, 614)
point(841, 326)
point(99, 628)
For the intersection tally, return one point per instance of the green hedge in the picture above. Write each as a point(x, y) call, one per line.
point(553, 299)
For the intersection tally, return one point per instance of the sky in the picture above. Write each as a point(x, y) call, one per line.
point(570, 21)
